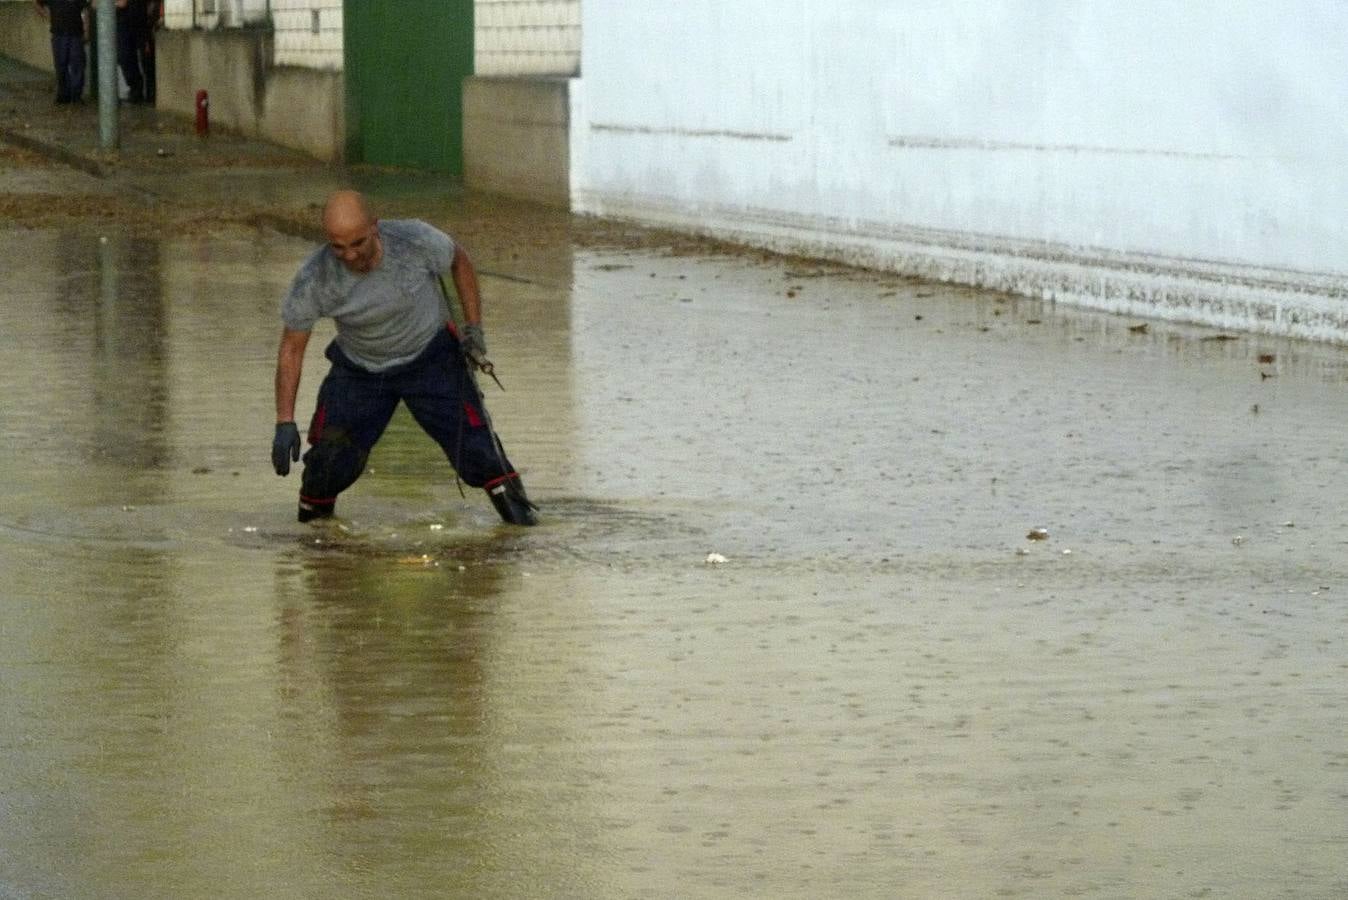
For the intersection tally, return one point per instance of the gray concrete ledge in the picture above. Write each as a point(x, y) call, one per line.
point(303, 109)
point(516, 134)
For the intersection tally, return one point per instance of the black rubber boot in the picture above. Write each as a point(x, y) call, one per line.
point(310, 510)
point(512, 503)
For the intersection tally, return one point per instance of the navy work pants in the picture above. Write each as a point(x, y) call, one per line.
point(67, 53)
point(355, 406)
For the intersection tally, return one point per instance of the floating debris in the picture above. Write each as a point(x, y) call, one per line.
point(1022, 551)
point(437, 527)
point(1238, 539)
point(1139, 329)
point(715, 559)
point(1038, 534)
point(1267, 358)
point(1219, 337)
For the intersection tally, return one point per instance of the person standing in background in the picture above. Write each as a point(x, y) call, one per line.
point(154, 17)
point(136, 21)
point(69, 33)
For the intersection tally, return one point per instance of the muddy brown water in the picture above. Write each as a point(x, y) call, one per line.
point(885, 690)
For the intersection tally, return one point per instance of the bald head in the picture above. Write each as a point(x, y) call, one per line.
point(346, 210)
point(353, 233)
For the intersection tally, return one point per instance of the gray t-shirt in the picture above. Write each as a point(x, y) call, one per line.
point(387, 316)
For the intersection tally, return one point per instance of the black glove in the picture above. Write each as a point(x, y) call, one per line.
point(285, 447)
point(474, 343)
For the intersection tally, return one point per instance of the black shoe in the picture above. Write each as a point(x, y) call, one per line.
point(310, 510)
point(513, 505)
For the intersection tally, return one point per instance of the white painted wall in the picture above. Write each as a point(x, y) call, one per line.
point(526, 37)
point(1044, 146)
point(307, 33)
point(214, 13)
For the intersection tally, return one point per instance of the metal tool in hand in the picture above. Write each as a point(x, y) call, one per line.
point(485, 366)
point(479, 360)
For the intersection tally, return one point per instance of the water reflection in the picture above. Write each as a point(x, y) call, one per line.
point(127, 367)
point(382, 678)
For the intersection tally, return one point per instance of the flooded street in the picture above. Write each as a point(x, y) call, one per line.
point(885, 690)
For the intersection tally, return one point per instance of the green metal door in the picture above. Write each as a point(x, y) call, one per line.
point(405, 64)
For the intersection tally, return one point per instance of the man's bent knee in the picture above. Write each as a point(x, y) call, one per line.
point(332, 465)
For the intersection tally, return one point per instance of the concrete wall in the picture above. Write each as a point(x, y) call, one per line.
point(1177, 159)
point(296, 107)
point(516, 139)
point(25, 35)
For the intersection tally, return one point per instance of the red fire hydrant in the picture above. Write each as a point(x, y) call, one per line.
point(203, 113)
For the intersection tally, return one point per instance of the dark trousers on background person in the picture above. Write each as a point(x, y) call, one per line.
point(355, 406)
point(67, 53)
point(135, 57)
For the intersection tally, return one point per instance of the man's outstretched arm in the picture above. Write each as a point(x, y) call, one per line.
point(289, 366)
point(285, 445)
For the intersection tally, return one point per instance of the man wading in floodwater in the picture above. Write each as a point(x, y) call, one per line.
point(380, 282)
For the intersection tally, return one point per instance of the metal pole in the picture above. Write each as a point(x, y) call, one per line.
point(108, 137)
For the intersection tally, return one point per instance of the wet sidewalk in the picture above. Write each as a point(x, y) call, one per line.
point(149, 139)
point(847, 585)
